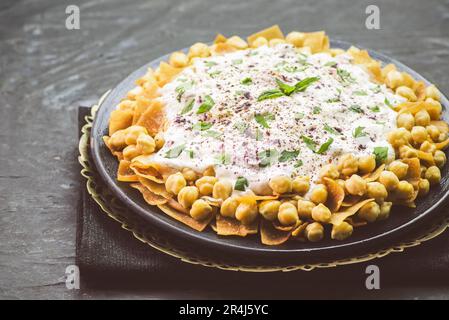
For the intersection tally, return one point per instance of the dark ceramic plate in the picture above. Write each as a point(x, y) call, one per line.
point(401, 221)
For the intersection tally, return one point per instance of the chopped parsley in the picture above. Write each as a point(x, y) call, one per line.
point(312, 144)
point(381, 154)
point(309, 143)
point(358, 132)
point(285, 89)
point(201, 126)
point(345, 76)
point(212, 134)
point(210, 63)
point(241, 184)
point(188, 107)
point(174, 152)
point(325, 146)
point(330, 64)
point(299, 115)
point(213, 74)
point(287, 155)
point(360, 93)
point(356, 108)
point(388, 103)
point(375, 109)
point(316, 110)
point(237, 61)
point(268, 157)
point(241, 127)
point(298, 163)
point(223, 159)
point(263, 118)
point(246, 81)
point(206, 105)
point(330, 129)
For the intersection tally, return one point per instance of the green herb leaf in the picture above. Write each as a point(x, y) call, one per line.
point(345, 76)
point(388, 103)
point(381, 154)
point(190, 153)
point(309, 143)
point(299, 115)
point(259, 134)
point(375, 109)
point(330, 64)
point(298, 163)
point(206, 105)
point(214, 74)
point(316, 110)
point(241, 127)
point(270, 94)
point(358, 132)
point(288, 155)
point(285, 88)
point(333, 100)
point(223, 159)
point(237, 61)
point(304, 83)
point(262, 119)
point(330, 129)
point(188, 107)
point(181, 89)
point(376, 89)
point(359, 93)
point(325, 146)
point(212, 133)
point(356, 108)
point(241, 184)
point(210, 63)
point(201, 126)
point(246, 81)
point(268, 157)
point(174, 152)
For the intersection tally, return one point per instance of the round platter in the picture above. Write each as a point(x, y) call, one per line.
point(401, 223)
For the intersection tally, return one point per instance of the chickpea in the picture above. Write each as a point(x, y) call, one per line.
point(319, 194)
point(341, 231)
point(314, 232)
point(178, 59)
point(407, 93)
point(433, 174)
point(406, 152)
point(427, 146)
point(389, 180)
point(433, 132)
point(305, 209)
point(442, 137)
point(355, 185)
point(385, 209)
point(422, 170)
point(199, 49)
point(369, 212)
point(422, 118)
point(440, 158)
point(133, 132)
point(301, 185)
point(187, 196)
point(394, 79)
point(321, 213)
point(432, 92)
point(405, 120)
point(130, 152)
point(288, 214)
point(274, 42)
point(117, 140)
point(228, 207)
point(206, 185)
point(210, 171)
point(281, 184)
point(189, 174)
point(423, 187)
point(348, 165)
point(399, 168)
point(200, 210)
point(341, 182)
point(295, 38)
point(419, 134)
point(399, 137)
point(246, 212)
point(237, 42)
point(404, 190)
point(145, 144)
point(159, 140)
point(367, 163)
point(260, 41)
point(435, 112)
point(222, 190)
point(175, 183)
point(376, 190)
point(269, 209)
point(329, 171)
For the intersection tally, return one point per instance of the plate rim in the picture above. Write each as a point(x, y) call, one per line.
point(220, 242)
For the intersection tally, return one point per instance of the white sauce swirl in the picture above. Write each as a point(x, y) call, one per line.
point(343, 99)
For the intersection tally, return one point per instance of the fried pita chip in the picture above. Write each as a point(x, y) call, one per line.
point(185, 218)
point(232, 227)
point(442, 145)
point(336, 194)
point(157, 188)
point(270, 236)
point(273, 32)
point(124, 172)
point(166, 73)
point(149, 173)
point(222, 48)
point(153, 118)
point(299, 231)
point(142, 103)
point(425, 156)
point(339, 217)
point(350, 200)
point(278, 226)
point(220, 38)
point(150, 197)
point(373, 176)
point(120, 119)
point(316, 41)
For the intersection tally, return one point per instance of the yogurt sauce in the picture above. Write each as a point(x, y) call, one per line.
point(243, 137)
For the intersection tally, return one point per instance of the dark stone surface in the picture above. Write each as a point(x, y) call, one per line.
point(46, 71)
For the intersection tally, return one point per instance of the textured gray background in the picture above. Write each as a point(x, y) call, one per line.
point(46, 71)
